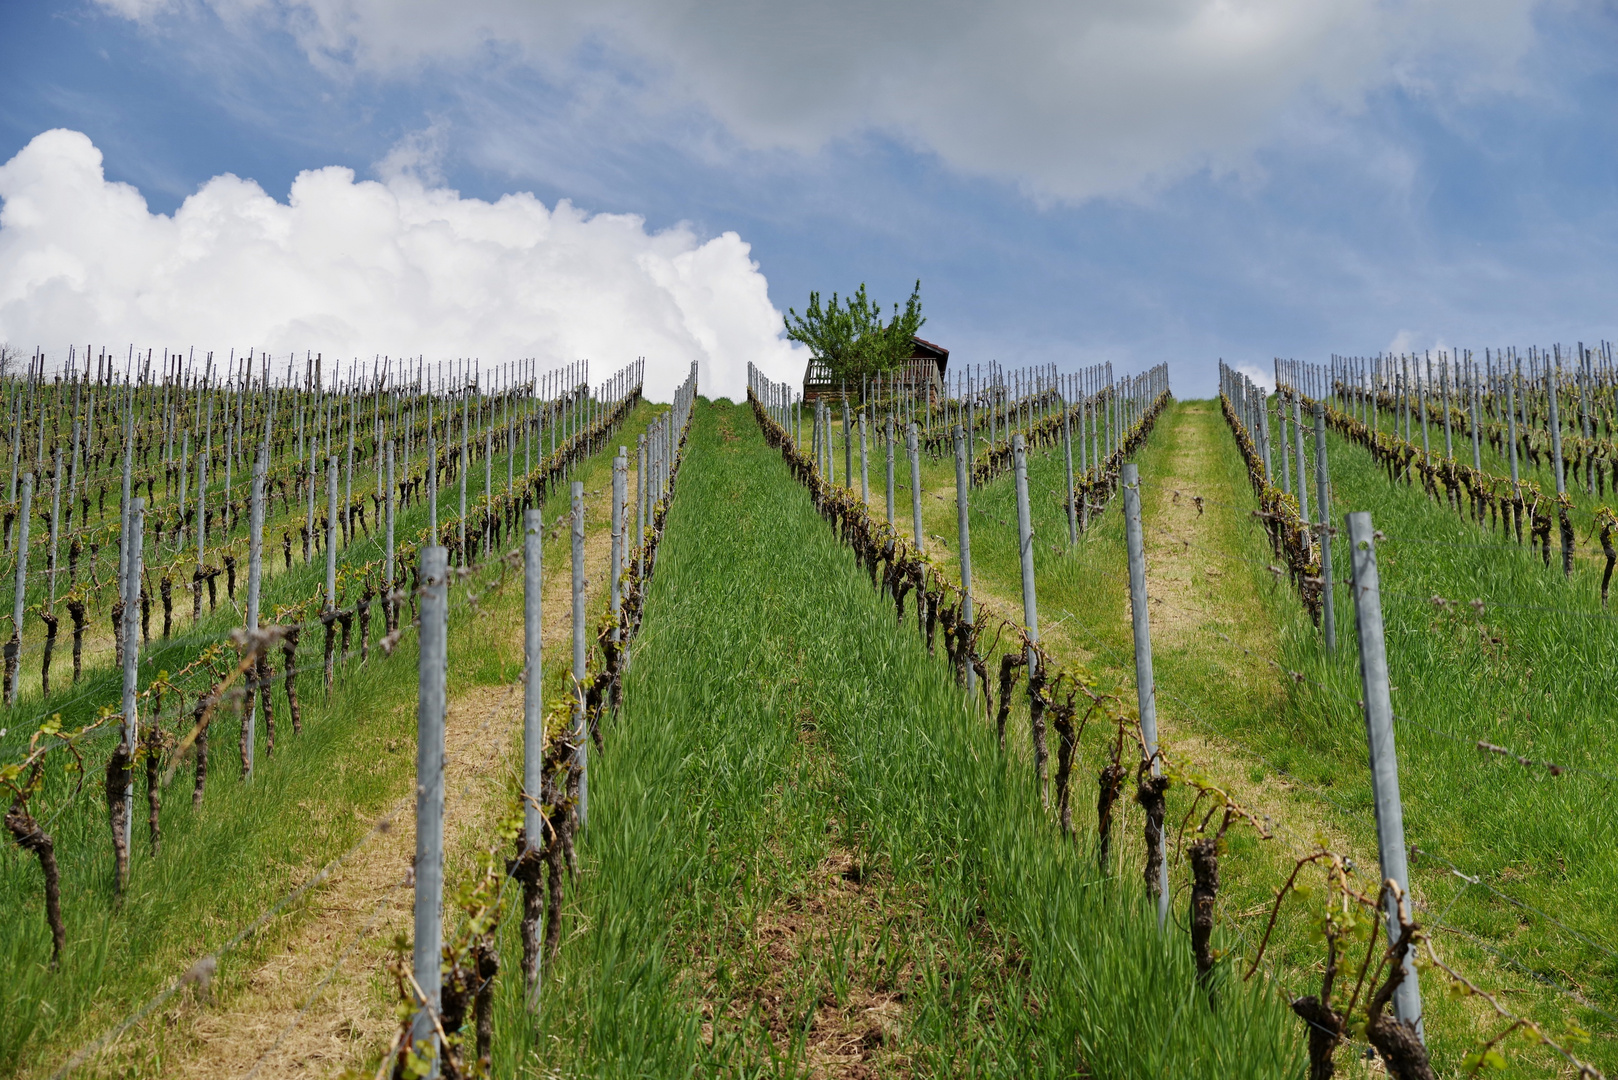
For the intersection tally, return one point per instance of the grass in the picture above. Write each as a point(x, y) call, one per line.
point(1531, 670)
point(777, 722)
point(163, 556)
point(1300, 751)
point(227, 860)
point(807, 852)
point(1498, 462)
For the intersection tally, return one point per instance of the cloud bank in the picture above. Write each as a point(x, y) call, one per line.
point(1070, 98)
point(355, 268)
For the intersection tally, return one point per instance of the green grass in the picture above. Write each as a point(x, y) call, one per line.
point(780, 730)
point(1085, 620)
point(1540, 689)
point(96, 573)
point(775, 715)
point(1532, 671)
point(1498, 462)
point(247, 845)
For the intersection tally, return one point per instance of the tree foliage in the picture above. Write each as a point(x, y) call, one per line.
point(851, 337)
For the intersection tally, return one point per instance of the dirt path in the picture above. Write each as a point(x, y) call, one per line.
point(1203, 601)
point(991, 599)
point(321, 1003)
point(331, 959)
point(1183, 554)
point(1201, 592)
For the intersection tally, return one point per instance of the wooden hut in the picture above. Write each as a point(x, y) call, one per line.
point(921, 373)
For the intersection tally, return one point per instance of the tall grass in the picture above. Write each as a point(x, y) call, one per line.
point(774, 712)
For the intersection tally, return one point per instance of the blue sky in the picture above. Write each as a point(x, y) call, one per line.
point(1457, 191)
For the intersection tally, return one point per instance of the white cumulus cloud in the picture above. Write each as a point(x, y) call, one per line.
point(355, 268)
point(1264, 378)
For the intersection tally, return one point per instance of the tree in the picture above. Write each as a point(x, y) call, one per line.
point(851, 338)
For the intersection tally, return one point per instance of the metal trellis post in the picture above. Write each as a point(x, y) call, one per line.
point(963, 526)
point(913, 446)
point(1323, 507)
point(1145, 685)
point(1390, 832)
point(432, 671)
point(579, 672)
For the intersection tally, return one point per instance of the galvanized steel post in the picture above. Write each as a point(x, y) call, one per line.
point(56, 517)
point(848, 448)
point(1025, 541)
point(913, 446)
point(129, 459)
point(964, 529)
point(202, 490)
point(887, 433)
point(1477, 447)
point(1264, 434)
point(640, 508)
point(431, 703)
point(331, 533)
point(1323, 507)
point(136, 526)
point(255, 570)
point(390, 606)
point(1286, 450)
point(1554, 420)
point(17, 608)
point(1443, 379)
point(1067, 464)
point(1303, 461)
point(579, 672)
point(432, 486)
point(1390, 832)
point(533, 754)
point(461, 524)
point(1511, 437)
point(865, 472)
point(1145, 684)
point(620, 484)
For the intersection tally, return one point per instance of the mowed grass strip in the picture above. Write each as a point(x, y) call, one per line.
point(1531, 671)
point(806, 853)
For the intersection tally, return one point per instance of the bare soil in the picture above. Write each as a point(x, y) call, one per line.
point(806, 949)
